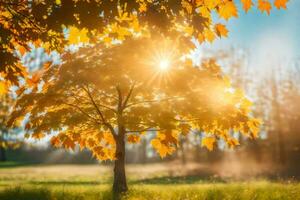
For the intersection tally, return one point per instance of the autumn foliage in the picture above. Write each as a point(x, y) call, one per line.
point(42, 23)
point(132, 75)
point(98, 91)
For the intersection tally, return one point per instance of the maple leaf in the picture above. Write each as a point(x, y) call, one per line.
point(232, 142)
point(55, 141)
point(201, 38)
point(22, 50)
point(38, 135)
point(228, 10)
point(161, 148)
point(209, 35)
point(264, 6)
point(77, 36)
point(3, 88)
point(208, 142)
point(68, 143)
point(185, 128)
point(247, 4)
point(221, 30)
point(133, 139)
point(280, 4)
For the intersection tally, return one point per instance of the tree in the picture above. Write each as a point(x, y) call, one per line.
point(123, 102)
point(8, 136)
point(102, 96)
point(43, 22)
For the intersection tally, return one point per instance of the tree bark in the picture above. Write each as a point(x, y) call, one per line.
point(2, 154)
point(120, 183)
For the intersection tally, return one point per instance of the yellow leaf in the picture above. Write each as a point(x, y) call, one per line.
point(204, 12)
point(3, 88)
point(232, 142)
point(161, 148)
point(228, 10)
point(201, 38)
point(185, 128)
point(58, 2)
point(77, 36)
point(143, 7)
point(209, 35)
point(211, 4)
point(227, 81)
point(208, 142)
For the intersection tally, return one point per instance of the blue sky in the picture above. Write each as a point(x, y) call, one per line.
point(253, 30)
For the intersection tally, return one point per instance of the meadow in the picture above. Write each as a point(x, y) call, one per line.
point(152, 181)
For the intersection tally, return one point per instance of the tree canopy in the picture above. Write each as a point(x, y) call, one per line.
point(44, 23)
point(139, 86)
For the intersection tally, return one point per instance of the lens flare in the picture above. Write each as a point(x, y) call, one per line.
point(164, 64)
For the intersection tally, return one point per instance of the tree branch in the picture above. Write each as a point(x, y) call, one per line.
point(108, 125)
point(143, 130)
point(150, 101)
point(120, 99)
point(128, 96)
point(82, 111)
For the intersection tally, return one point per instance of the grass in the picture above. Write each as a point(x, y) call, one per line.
point(150, 182)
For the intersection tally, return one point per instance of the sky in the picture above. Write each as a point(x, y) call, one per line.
point(279, 32)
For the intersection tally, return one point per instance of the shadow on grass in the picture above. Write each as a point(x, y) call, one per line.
point(22, 194)
point(18, 193)
point(16, 164)
point(179, 180)
point(66, 182)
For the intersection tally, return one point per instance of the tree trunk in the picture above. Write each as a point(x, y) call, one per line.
point(120, 183)
point(182, 150)
point(2, 154)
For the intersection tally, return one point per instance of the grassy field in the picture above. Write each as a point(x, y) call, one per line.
point(151, 182)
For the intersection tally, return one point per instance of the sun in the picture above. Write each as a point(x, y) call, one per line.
point(164, 64)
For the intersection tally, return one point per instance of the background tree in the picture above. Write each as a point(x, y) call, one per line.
point(8, 135)
point(101, 97)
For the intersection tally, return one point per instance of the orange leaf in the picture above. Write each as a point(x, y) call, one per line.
point(228, 10)
point(55, 141)
point(22, 50)
point(221, 30)
point(38, 135)
point(247, 4)
point(264, 6)
point(133, 139)
point(280, 4)
point(69, 144)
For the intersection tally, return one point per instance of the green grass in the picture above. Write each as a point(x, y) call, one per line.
point(151, 182)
